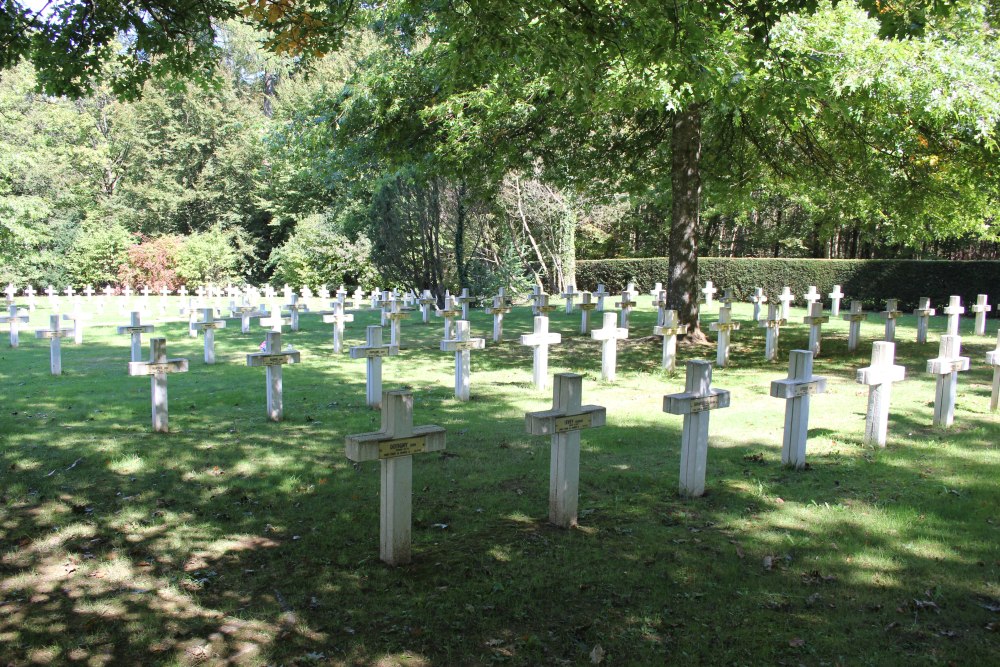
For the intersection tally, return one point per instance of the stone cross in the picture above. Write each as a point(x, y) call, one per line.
point(10, 292)
point(709, 291)
point(426, 301)
point(609, 335)
point(633, 294)
point(923, 312)
point(758, 299)
point(373, 351)
point(542, 305)
point(376, 298)
point(272, 358)
point(626, 305)
point(324, 293)
point(725, 326)
point(539, 341)
point(570, 295)
point(396, 316)
point(727, 297)
point(564, 422)
point(993, 359)
point(449, 313)
point(54, 334)
point(891, 314)
point(272, 318)
point(183, 292)
point(786, 297)
point(307, 293)
point(835, 297)
point(287, 291)
point(78, 317)
point(586, 305)
point(655, 292)
point(498, 310)
point(394, 445)
point(669, 330)
point(135, 330)
point(293, 308)
point(816, 319)
point(14, 320)
point(88, 292)
point(954, 311)
point(245, 311)
point(980, 309)
point(269, 292)
point(879, 378)
point(465, 300)
point(796, 390)
point(384, 302)
point(696, 402)
point(208, 325)
point(127, 292)
point(462, 345)
point(30, 293)
point(69, 292)
point(855, 317)
point(772, 326)
point(158, 366)
point(661, 305)
point(600, 293)
point(338, 318)
point(359, 297)
point(145, 296)
point(811, 297)
point(534, 297)
point(53, 295)
point(947, 366)
point(191, 310)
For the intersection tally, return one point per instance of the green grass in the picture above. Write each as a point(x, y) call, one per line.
point(235, 539)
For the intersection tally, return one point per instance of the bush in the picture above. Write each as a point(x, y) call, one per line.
point(317, 254)
point(208, 257)
point(152, 262)
point(98, 253)
point(871, 281)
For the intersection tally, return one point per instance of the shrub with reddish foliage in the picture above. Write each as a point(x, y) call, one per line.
point(153, 262)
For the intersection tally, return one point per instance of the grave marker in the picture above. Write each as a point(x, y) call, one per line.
point(570, 295)
point(609, 335)
point(396, 316)
point(696, 402)
point(758, 299)
point(669, 330)
point(811, 297)
point(772, 326)
point(158, 366)
point(891, 314)
point(498, 310)
point(655, 292)
point(293, 308)
point(835, 296)
point(786, 297)
point(394, 445)
point(855, 317)
point(816, 319)
point(30, 293)
point(449, 313)
point(207, 326)
point(539, 341)
point(879, 377)
point(54, 334)
point(53, 295)
point(14, 319)
point(600, 294)
point(245, 311)
point(338, 317)
point(10, 292)
point(725, 326)
point(954, 311)
point(564, 422)
point(947, 366)
point(727, 297)
point(272, 359)
point(462, 345)
point(586, 305)
point(626, 305)
point(993, 359)
point(796, 390)
point(923, 312)
point(372, 352)
point(465, 301)
point(135, 330)
point(78, 317)
point(709, 291)
point(426, 301)
point(980, 309)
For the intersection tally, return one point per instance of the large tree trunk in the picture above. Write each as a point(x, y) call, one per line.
point(685, 146)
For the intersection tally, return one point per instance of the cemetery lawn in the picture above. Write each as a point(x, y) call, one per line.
point(235, 540)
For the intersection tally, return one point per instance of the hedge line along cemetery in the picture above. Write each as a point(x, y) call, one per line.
point(685, 424)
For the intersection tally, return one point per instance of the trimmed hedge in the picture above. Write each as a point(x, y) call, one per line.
point(870, 280)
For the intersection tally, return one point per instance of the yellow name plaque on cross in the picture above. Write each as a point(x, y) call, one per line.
point(389, 449)
point(572, 423)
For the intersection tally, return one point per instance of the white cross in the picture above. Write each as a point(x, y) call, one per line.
point(462, 345)
point(272, 318)
point(796, 390)
point(879, 377)
point(600, 293)
point(158, 366)
point(758, 299)
point(307, 293)
point(564, 422)
point(372, 352)
point(669, 329)
point(696, 402)
point(15, 318)
point(30, 292)
point(338, 317)
point(135, 330)
point(947, 366)
point(396, 315)
point(815, 319)
point(245, 311)
point(539, 341)
point(923, 312)
point(465, 300)
point(10, 291)
point(272, 359)
point(786, 297)
point(497, 310)
point(207, 326)
point(54, 334)
point(609, 335)
point(626, 305)
point(359, 297)
point(835, 296)
point(954, 311)
point(993, 359)
point(70, 292)
point(855, 317)
point(586, 305)
point(811, 297)
point(891, 314)
point(725, 326)
point(655, 292)
point(183, 291)
point(980, 309)
point(449, 313)
point(287, 291)
point(394, 445)
point(772, 326)
point(89, 291)
point(709, 291)
point(78, 317)
point(324, 293)
point(570, 295)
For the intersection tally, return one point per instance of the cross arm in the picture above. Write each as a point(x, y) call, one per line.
point(549, 422)
point(873, 375)
point(944, 366)
point(686, 403)
point(791, 388)
point(379, 445)
point(273, 359)
point(154, 368)
point(460, 345)
point(366, 352)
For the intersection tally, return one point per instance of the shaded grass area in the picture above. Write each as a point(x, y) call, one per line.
point(235, 539)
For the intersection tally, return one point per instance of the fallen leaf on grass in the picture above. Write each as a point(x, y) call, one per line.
point(768, 563)
point(597, 655)
point(924, 605)
point(797, 642)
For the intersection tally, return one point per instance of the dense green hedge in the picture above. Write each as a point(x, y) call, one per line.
point(872, 281)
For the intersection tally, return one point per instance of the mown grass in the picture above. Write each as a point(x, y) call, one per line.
point(232, 539)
